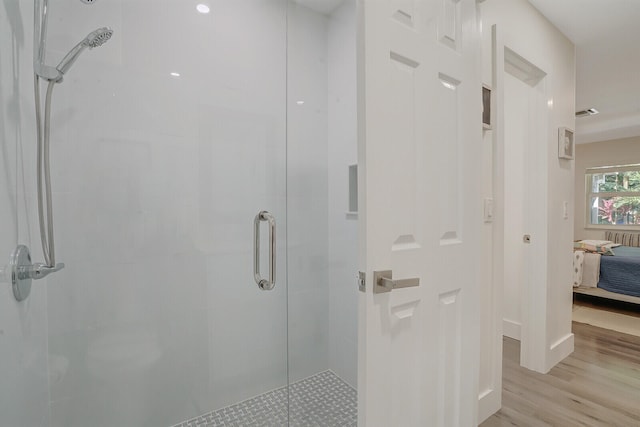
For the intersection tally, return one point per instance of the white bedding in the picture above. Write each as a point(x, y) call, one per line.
point(591, 270)
point(601, 243)
point(586, 269)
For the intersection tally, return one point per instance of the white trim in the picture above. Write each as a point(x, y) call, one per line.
point(609, 169)
point(615, 193)
point(533, 297)
point(511, 329)
point(559, 350)
point(489, 402)
point(613, 227)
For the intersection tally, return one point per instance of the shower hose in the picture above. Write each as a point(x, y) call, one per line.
point(44, 173)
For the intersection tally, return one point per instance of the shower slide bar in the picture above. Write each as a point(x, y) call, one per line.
point(22, 270)
point(264, 284)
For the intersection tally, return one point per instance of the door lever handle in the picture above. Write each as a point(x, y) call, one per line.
point(384, 282)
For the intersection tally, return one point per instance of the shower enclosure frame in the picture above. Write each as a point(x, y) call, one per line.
point(103, 314)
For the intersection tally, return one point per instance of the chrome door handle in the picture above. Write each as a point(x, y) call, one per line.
point(264, 284)
point(384, 282)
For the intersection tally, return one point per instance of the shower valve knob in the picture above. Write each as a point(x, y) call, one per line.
point(22, 272)
point(38, 271)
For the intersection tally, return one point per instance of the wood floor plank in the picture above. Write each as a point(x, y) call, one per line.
point(597, 386)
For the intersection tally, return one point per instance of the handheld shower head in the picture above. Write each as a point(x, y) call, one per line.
point(98, 37)
point(94, 39)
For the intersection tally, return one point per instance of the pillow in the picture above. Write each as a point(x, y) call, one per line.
point(608, 243)
point(597, 249)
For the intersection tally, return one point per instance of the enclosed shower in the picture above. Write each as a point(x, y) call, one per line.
point(196, 169)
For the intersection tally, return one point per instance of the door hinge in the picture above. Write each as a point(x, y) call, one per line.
point(362, 281)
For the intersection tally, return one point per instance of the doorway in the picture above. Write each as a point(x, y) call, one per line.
point(523, 220)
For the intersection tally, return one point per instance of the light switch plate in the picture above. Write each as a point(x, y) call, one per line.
point(488, 209)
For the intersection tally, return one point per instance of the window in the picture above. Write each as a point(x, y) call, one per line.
point(613, 196)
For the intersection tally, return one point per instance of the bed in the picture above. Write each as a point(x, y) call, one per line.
point(614, 277)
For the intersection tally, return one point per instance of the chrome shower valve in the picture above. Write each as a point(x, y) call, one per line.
point(23, 271)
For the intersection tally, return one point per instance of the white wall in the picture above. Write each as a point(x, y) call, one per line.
point(516, 131)
point(606, 153)
point(307, 193)
point(525, 31)
point(343, 228)
point(321, 146)
point(24, 393)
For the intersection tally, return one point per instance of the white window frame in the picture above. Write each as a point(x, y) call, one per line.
point(590, 194)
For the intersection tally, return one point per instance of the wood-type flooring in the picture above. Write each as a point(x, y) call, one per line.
point(597, 385)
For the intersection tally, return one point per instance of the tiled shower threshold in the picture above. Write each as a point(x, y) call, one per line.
point(322, 400)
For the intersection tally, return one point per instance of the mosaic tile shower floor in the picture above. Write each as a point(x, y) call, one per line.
point(323, 400)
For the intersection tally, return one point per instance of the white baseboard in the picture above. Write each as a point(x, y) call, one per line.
point(559, 350)
point(511, 329)
point(489, 402)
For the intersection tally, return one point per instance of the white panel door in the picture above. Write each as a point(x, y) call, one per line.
point(420, 152)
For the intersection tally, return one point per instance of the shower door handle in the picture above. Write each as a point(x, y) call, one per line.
point(264, 284)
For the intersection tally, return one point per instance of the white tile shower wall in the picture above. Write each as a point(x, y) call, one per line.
point(157, 178)
point(343, 237)
point(24, 393)
point(307, 193)
point(321, 144)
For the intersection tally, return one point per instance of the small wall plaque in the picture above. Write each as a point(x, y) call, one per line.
point(565, 143)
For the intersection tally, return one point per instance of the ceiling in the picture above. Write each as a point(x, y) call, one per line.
point(607, 38)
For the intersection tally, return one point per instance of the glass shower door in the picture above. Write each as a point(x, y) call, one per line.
point(166, 143)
